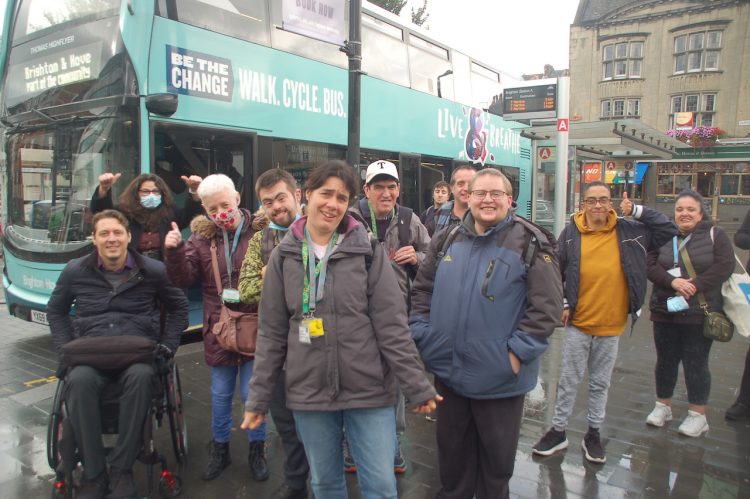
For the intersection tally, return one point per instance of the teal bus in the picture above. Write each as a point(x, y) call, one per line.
point(204, 86)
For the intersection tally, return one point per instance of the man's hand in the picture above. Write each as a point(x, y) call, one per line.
point(405, 256)
point(174, 237)
point(252, 420)
point(192, 182)
point(106, 181)
point(626, 205)
point(565, 316)
point(429, 406)
point(515, 362)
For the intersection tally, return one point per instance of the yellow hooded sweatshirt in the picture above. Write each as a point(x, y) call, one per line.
point(602, 308)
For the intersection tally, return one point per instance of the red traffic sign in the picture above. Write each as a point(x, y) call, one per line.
point(544, 152)
point(610, 165)
point(563, 125)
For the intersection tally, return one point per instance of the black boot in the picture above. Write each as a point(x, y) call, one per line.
point(257, 458)
point(218, 459)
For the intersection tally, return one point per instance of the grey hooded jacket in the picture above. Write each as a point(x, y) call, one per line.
point(366, 345)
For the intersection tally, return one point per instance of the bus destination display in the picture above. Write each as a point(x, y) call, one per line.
point(538, 99)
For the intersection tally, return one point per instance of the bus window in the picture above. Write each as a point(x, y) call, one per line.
point(247, 20)
point(53, 171)
point(189, 151)
point(38, 15)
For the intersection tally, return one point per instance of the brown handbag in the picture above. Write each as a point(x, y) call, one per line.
point(234, 331)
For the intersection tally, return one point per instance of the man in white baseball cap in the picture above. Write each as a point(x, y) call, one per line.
point(405, 240)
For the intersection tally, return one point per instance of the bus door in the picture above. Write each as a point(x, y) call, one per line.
point(179, 150)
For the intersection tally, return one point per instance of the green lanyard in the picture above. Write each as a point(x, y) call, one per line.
point(373, 220)
point(314, 276)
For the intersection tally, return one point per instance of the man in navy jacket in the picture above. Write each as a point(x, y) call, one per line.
point(116, 292)
point(482, 310)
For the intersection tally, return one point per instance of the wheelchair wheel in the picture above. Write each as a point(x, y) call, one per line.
point(170, 486)
point(177, 425)
point(55, 429)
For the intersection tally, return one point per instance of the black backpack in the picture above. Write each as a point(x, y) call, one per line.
point(404, 228)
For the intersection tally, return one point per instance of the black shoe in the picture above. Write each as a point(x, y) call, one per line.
point(218, 459)
point(431, 416)
point(738, 412)
point(94, 489)
point(551, 442)
point(121, 485)
point(287, 492)
point(399, 463)
point(592, 447)
point(257, 459)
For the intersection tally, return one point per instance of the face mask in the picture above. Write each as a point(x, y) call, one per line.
point(225, 219)
point(151, 201)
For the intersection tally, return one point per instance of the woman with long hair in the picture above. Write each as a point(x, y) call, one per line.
point(677, 312)
point(148, 204)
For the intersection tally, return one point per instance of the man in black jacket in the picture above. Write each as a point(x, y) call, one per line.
point(116, 292)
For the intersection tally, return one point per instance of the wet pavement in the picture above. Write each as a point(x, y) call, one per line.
point(641, 461)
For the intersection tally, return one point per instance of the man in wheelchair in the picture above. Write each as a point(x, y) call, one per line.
point(113, 335)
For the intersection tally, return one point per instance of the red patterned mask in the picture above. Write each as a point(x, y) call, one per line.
point(226, 219)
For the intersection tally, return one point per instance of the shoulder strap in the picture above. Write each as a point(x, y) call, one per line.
point(446, 244)
point(691, 273)
point(215, 267)
point(404, 225)
point(268, 243)
point(368, 258)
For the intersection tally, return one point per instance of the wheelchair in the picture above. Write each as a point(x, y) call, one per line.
point(65, 459)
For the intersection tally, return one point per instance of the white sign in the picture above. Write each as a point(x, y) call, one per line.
point(319, 19)
point(744, 123)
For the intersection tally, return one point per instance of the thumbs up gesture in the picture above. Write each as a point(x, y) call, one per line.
point(626, 205)
point(174, 237)
point(106, 181)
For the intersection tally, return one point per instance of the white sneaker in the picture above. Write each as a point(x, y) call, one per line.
point(660, 415)
point(695, 425)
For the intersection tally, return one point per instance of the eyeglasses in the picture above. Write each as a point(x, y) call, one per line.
point(594, 201)
point(481, 194)
point(146, 192)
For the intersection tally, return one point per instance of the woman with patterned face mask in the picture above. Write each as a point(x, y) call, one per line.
point(230, 228)
point(148, 204)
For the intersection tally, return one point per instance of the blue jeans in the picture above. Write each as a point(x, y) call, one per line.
point(372, 439)
point(223, 381)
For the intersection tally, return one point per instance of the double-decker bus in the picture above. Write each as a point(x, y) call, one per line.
point(203, 86)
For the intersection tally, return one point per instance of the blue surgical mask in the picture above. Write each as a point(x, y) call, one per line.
point(151, 201)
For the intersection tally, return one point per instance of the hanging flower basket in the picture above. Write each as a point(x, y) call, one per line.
point(701, 136)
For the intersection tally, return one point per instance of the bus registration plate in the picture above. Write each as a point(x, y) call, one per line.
point(39, 317)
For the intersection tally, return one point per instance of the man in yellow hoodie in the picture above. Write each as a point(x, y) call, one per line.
point(603, 262)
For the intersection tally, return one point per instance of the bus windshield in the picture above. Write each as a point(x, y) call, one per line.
point(38, 15)
point(53, 171)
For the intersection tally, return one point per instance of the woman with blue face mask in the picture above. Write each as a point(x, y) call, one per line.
point(148, 204)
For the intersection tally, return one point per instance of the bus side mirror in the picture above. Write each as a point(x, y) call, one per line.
point(162, 104)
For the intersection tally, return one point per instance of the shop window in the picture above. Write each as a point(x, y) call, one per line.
point(730, 185)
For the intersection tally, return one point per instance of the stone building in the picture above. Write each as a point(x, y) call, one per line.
point(676, 65)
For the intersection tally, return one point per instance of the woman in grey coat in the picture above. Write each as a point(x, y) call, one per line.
point(331, 311)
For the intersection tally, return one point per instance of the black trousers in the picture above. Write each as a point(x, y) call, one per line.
point(744, 395)
point(83, 388)
point(684, 343)
point(477, 441)
point(296, 467)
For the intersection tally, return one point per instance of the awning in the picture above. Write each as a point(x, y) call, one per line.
point(610, 139)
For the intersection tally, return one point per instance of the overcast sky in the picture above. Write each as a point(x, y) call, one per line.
point(517, 37)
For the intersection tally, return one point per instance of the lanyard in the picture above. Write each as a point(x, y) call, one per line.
point(676, 250)
point(229, 254)
point(314, 275)
point(374, 222)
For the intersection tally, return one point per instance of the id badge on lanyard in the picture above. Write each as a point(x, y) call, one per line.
point(312, 291)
